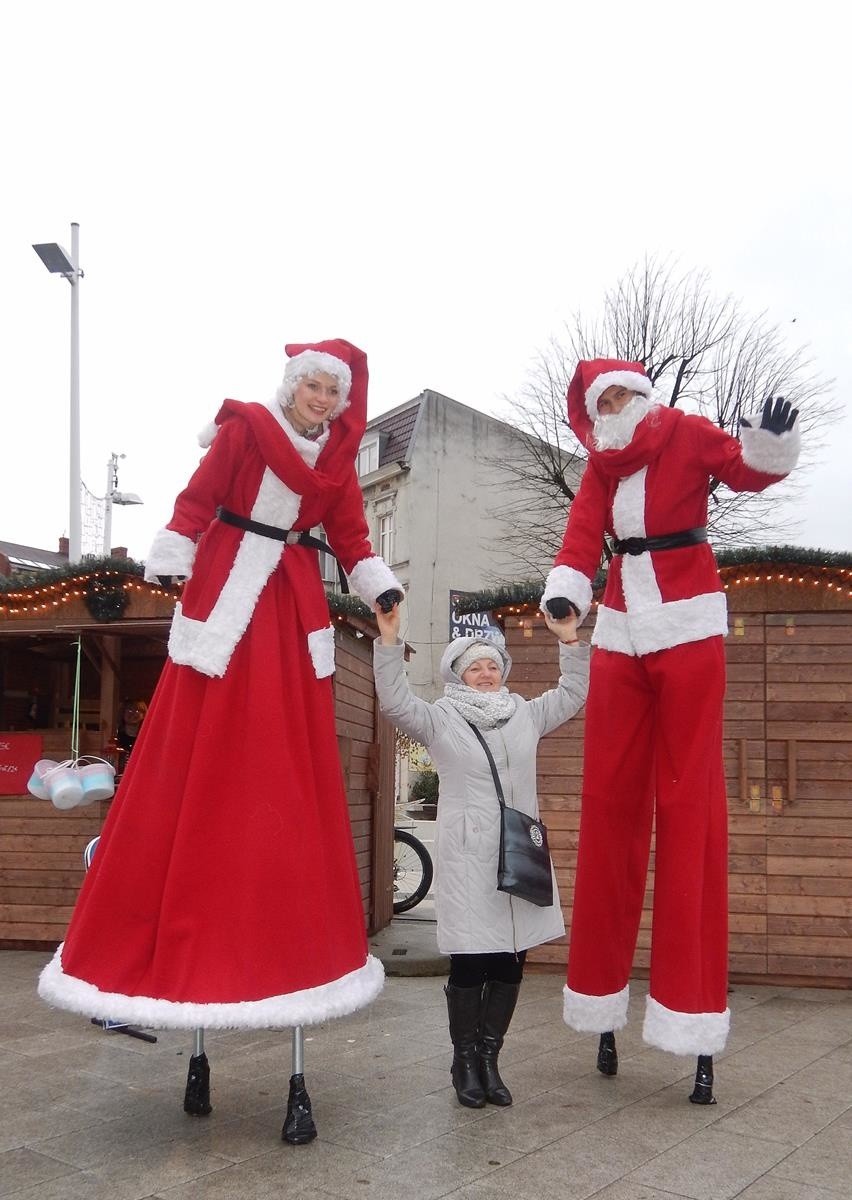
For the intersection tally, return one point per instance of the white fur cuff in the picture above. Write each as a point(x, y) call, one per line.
point(568, 584)
point(685, 1033)
point(772, 453)
point(321, 648)
point(372, 576)
point(170, 554)
point(595, 1014)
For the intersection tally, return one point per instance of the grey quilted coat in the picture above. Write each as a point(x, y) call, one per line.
point(472, 916)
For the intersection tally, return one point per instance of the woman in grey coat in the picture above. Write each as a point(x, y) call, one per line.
point(485, 932)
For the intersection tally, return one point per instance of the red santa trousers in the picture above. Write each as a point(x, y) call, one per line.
point(653, 742)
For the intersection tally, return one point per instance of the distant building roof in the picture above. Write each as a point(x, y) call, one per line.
point(398, 425)
point(31, 558)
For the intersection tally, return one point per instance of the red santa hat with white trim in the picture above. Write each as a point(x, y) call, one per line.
point(591, 379)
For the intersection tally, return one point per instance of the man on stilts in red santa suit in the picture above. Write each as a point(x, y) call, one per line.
point(654, 713)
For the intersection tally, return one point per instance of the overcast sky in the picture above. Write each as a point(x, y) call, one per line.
point(443, 184)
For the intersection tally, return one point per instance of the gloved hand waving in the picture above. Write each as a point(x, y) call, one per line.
point(778, 416)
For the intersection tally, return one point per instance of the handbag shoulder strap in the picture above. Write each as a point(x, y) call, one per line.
point(497, 784)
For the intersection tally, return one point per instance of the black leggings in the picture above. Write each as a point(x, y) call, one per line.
point(472, 970)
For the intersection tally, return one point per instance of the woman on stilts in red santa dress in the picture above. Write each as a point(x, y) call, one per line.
point(653, 743)
point(224, 893)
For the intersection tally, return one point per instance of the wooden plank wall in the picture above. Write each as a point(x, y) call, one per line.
point(788, 763)
point(809, 802)
point(41, 858)
point(355, 708)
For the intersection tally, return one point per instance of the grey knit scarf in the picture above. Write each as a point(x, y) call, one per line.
point(485, 710)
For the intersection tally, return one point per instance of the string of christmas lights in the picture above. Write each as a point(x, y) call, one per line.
point(48, 597)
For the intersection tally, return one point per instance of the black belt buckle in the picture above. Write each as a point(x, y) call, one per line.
point(633, 545)
point(293, 537)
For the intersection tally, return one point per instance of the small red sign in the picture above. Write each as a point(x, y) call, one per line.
point(19, 752)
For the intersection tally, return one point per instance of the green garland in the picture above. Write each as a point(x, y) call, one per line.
point(530, 591)
point(792, 555)
point(105, 598)
point(348, 606)
point(91, 566)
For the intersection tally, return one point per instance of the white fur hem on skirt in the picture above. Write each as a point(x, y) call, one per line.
point(307, 1007)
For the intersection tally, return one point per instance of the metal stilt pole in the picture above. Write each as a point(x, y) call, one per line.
point(196, 1100)
point(299, 1126)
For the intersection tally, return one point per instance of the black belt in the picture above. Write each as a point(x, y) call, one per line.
point(290, 537)
point(666, 541)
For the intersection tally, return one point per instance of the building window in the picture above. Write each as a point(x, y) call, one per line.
point(386, 537)
point(328, 564)
point(368, 458)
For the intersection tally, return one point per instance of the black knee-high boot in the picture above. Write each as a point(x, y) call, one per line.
point(463, 1008)
point(703, 1091)
point(607, 1062)
point(498, 1005)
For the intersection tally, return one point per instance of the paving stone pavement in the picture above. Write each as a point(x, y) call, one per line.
point(91, 1115)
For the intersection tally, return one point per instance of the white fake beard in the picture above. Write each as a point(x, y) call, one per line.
point(614, 431)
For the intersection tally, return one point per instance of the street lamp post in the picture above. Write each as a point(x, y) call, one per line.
point(58, 262)
point(114, 496)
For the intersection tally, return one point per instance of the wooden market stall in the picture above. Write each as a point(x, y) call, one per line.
point(123, 625)
point(788, 759)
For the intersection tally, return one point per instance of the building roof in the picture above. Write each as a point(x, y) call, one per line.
point(31, 558)
point(399, 426)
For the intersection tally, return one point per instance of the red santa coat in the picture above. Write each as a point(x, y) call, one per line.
point(224, 892)
point(658, 485)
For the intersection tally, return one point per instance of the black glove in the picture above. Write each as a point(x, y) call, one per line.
point(166, 581)
point(559, 608)
point(778, 416)
point(388, 599)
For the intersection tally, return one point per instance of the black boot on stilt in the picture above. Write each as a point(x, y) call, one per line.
point(463, 1008)
point(196, 1099)
point(498, 1005)
point(703, 1091)
point(607, 1062)
point(299, 1127)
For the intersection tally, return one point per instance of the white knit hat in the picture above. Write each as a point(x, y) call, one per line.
point(476, 651)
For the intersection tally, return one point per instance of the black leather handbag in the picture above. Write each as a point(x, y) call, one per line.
point(523, 864)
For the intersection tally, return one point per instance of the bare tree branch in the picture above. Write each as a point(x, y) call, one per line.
point(704, 354)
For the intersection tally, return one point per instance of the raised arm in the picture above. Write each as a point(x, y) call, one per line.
point(556, 706)
point(408, 712)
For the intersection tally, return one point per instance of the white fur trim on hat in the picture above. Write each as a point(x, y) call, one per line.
point(595, 1014)
point(311, 362)
point(372, 576)
point(207, 434)
point(773, 453)
point(476, 651)
point(336, 998)
point(685, 1033)
point(626, 379)
point(568, 584)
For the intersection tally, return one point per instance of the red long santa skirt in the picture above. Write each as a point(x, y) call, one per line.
point(224, 891)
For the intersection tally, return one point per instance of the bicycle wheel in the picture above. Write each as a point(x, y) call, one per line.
point(412, 871)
